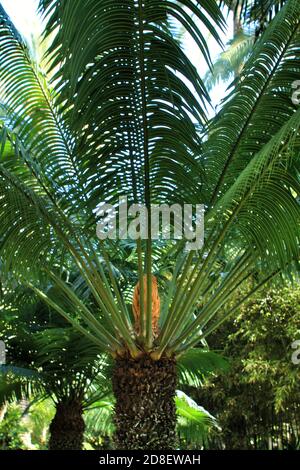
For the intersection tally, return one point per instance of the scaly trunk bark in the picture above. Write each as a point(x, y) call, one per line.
point(145, 413)
point(67, 426)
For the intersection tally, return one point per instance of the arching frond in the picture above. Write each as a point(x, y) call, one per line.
point(126, 86)
point(231, 61)
point(194, 421)
point(260, 104)
point(29, 103)
point(197, 364)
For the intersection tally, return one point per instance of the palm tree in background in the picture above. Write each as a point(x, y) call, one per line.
point(125, 116)
point(260, 11)
point(250, 19)
point(46, 358)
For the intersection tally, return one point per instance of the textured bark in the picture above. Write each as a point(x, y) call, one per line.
point(67, 426)
point(145, 413)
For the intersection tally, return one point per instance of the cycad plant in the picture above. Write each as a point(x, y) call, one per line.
point(124, 115)
point(46, 358)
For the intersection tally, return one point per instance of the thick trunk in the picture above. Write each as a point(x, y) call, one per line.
point(145, 413)
point(67, 426)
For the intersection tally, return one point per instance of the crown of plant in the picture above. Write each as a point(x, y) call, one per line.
point(125, 114)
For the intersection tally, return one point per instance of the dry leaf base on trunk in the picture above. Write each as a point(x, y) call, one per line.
point(145, 413)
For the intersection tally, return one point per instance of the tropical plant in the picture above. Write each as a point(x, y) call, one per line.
point(37, 418)
point(48, 360)
point(119, 120)
point(194, 422)
point(25, 427)
point(230, 62)
point(257, 402)
point(250, 19)
point(11, 428)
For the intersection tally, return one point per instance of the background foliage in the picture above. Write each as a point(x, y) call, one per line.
point(257, 402)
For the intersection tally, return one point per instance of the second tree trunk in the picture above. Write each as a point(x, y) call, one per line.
point(67, 426)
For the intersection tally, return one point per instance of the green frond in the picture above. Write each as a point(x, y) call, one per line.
point(231, 61)
point(265, 192)
point(194, 421)
point(31, 112)
point(99, 419)
point(261, 11)
point(196, 364)
point(18, 382)
point(125, 86)
point(263, 95)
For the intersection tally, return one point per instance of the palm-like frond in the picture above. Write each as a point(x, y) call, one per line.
point(19, 382)
point(194, 421)
point(148, 66)
point(196, 364)
point(45, 357)
point(33, 114)
point(231, 61)
point(262, 221)
point(124, 84)
point(99, 419)
point(263, 95)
